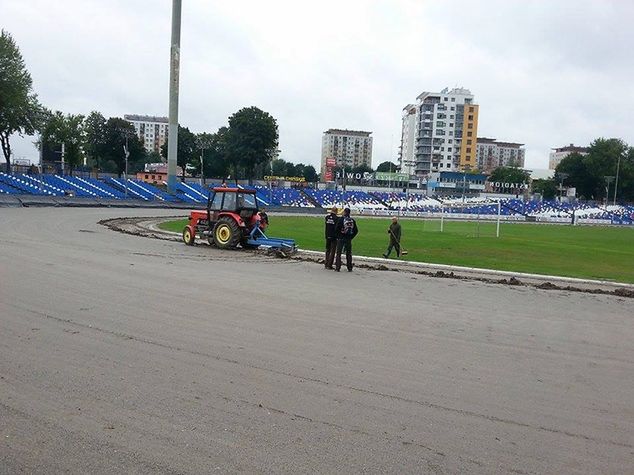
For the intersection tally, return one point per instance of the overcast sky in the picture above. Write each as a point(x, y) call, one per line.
point(545, 73)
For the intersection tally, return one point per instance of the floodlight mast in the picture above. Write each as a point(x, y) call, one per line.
point(172, 140)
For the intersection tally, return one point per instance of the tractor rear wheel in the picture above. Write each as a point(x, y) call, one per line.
point(189, 236)
point(226, 233)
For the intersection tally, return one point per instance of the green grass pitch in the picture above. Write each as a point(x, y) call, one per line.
point(592, 252)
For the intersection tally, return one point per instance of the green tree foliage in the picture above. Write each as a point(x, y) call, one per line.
point(363, 169)
point(185, 149)
point(387, 167)
point(215, 153)
point(20, 110)
point(67, 130)
point(510, 175)
point(546, 187)
point(587, 172)
point(310, 174)
point(251, 141)
point(95, 128)
point(281, 167)
point(117, 130)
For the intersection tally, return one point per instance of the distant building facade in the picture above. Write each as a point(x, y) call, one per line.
point(439, 132)
point(407, 151)
point(342, 147)
point(558, 154)
point(491, 154)
point(151, 130)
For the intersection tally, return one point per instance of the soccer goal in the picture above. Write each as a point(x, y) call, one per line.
point(470, 218)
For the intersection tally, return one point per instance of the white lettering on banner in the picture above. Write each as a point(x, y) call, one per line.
point(355, 176)
point(502, 185)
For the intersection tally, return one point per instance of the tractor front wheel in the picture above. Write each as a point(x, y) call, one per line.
point(226, 233)
point(189, 236)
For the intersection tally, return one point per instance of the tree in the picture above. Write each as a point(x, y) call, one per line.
point(310, 174)
point(20, 110)
point(587, 172)
point(279, 167)
point(117, 130)
point(251, 141)
point(185, 149)
point(510, 175)
point(546, 187)
point(66, 130)
point(363, 168)
point(573, 171)
point(215, 155)
point(387, 167)
point(95, 128)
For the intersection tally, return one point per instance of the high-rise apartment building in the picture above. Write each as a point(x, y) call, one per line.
point(443, 128)
point(152, 131)
point(558, 154)
point(407, 152)
point(349, 148)
point(491, 154)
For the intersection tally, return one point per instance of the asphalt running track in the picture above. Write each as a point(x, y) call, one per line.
point(124, 354)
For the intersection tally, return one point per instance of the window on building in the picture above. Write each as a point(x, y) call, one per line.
point(469, 142)
point(450, 124)
point(453, 99)
point(470, 117)
point(469, 126)
point(471, 109)
point(468, 149)
point(469, 134)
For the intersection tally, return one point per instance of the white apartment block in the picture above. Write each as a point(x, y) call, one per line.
point(439, 132)
point(152, 131)
point(407, 151)
point(349, 148)
point(491, 154)
point(558, 154)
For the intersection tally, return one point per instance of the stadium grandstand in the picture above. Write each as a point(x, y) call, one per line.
point(364, 202)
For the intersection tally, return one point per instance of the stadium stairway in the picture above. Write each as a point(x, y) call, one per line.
point(310, 199)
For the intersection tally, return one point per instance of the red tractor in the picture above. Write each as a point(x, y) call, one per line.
point(232, 220)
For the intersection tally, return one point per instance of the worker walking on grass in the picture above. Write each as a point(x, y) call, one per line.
point(346, 230)
point(331, 237)
point(395, 238)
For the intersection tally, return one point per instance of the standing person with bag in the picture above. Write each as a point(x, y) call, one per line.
point(346, 230)
point(395, 238)
point(331, 236)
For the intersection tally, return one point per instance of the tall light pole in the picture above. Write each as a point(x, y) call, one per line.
point(608, 180)
point(616, 182)
point(175, 51)
point(126, 154)
point(562, 177)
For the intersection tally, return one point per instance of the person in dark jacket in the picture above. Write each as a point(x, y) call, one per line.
point(331, 237)
point(346, 230)
point(395, 238)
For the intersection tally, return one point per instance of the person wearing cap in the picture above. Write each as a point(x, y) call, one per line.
point(395, 238)
point(346, 230)
point(331, 237)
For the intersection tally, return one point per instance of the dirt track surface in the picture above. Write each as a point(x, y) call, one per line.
point(123, 354)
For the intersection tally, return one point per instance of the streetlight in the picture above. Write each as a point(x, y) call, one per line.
point(562, 177)
point(616, 182)
point(608, 180)
point(126, 154)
